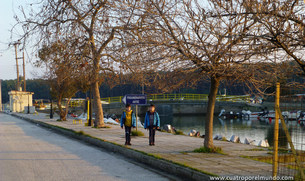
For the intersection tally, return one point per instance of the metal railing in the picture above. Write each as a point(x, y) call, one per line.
point(109, 100)
point(181, 97)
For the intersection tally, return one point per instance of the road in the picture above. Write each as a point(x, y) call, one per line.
point(29, 152)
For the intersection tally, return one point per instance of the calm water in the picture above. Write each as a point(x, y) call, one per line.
point(252, 129)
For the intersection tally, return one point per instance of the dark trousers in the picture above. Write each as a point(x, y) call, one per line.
point(152, 132)
point(127, 134)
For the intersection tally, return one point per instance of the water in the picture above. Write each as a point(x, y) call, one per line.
point(252, 129)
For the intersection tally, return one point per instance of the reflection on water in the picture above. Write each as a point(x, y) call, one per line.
point(283, 141)
point(252, 129)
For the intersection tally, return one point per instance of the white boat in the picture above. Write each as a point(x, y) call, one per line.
point(293, 115)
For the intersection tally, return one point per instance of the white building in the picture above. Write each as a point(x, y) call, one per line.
point(19, 100)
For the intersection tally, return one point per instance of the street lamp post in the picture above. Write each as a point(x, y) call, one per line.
point(51, 110)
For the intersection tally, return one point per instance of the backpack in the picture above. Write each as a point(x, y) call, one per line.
point(124, 119)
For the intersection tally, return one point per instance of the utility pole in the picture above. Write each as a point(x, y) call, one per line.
point(17, 85)
point(24, 82)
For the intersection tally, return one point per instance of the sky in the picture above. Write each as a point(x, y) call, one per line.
point(9, 8)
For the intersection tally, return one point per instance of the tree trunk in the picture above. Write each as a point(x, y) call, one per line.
point(62, 113)
point(67, 107)
point(208, 138)
point(97, 105)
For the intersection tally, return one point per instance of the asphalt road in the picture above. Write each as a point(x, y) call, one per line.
point(29, 152)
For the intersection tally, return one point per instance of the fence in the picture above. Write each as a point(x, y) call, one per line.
point(289, 136)
point(181, 97)
point(76, 102)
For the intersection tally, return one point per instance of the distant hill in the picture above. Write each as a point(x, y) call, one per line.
point(41, 89)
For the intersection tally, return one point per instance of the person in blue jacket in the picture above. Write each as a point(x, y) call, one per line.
point(152, 122)
point(128, 119)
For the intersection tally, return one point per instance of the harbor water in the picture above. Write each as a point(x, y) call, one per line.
point(252, 129)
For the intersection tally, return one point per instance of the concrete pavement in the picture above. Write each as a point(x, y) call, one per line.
point(30, 153)
point(178, 149)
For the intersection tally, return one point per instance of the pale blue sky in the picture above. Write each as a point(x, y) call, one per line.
point(8, 8)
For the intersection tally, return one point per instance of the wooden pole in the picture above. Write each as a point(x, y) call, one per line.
point(276, 132)
point(137, 118)
point(24, 82)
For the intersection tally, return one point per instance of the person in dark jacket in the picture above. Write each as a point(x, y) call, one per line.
point(152, 122)
point(128, 119)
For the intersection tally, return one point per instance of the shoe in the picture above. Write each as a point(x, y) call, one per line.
point(153, 144)
point(128, 143)
point(150, 144)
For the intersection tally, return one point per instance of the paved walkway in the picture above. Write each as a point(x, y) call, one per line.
point(178, 148)
point(31, 153)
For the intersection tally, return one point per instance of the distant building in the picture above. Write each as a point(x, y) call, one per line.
point(19, 100)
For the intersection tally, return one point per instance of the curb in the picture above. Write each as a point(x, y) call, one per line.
point(157, 163)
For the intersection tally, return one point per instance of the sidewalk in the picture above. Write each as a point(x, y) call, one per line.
point(179, 149)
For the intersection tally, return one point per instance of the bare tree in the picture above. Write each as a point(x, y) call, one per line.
point(282, 29)
point(94, 22)
point(206, 39)
point(65, 70)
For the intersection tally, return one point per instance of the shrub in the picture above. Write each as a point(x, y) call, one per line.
point(137, 133)
point(224, 139)
point(179, 132)
point(208, 150)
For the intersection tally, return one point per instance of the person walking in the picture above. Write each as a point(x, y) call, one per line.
point(128, 119)
point(152, 122)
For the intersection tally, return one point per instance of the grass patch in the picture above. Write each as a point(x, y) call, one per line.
point(280, 151)
point(80, 132)
point(283, 150)
point(157, 156)
point(106, 127)
point(179, 132)
point(101, 127)
point(261, 159)
point(137, 133)
point(224, 139)
point(255, 149)
point(59, 120)
point(184, 152)
point(208, 150)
